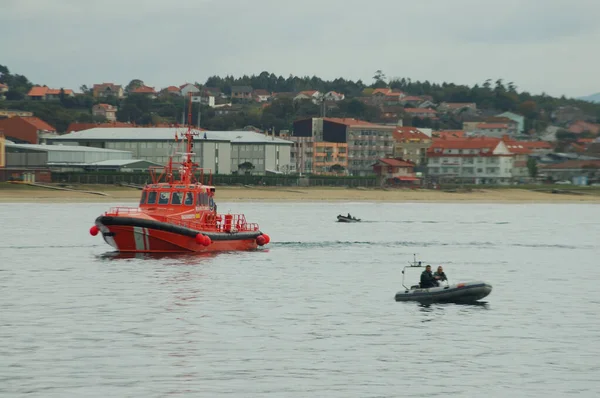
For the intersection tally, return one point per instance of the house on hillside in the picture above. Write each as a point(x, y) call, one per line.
point(187, 88)
point(241, 92)
point(458, 107)
point(312, 95)
point(520, 119)
point(105, 111)
point(333, 96)
point(496, 130)
point(171, 90)
point(423, 113)
point(44, 93)
point(105, 90)
point(261, 95)
point(145, 91)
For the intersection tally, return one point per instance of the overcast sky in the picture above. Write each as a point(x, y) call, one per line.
point(550, 46)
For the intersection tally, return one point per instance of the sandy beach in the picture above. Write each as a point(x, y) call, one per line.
point(10, 193)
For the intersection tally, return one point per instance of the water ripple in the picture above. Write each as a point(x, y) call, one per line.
point(313, 314)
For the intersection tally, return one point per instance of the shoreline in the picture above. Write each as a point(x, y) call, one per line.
point(33, 194)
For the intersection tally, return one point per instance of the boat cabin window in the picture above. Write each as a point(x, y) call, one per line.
point(176, 198)
point(189, 199)
point(202, 199)
point(143, 199)
point(152, 198)
point(163, 199)
point(211, 202)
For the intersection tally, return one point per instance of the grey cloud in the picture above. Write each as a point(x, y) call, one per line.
point(165, 43)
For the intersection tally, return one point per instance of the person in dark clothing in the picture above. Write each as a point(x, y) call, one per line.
point(439, 275)
point(427, 279)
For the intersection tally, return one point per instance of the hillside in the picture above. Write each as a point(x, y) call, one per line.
point(278, 113)
point(591, 98)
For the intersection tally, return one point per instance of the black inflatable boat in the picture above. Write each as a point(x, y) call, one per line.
point(462, 293)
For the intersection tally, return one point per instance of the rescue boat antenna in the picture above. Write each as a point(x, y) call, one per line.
point(188, 166)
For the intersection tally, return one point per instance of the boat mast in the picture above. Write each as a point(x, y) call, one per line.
point(187, 173)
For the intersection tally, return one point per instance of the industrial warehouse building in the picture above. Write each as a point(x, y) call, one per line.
point(16, 160)
point(30, 155)
point(219, 151)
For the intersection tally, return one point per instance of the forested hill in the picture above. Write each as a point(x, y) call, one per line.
point(490, 96)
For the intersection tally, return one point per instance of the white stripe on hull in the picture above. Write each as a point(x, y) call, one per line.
point(147, 238)
point(139, 238)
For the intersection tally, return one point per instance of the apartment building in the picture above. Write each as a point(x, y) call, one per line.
point(366, 142)
point(477, 160)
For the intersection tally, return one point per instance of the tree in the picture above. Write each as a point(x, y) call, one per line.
point(85, 90)
point(247, 167)
point(135, 83)
point(532, 167)
point(379, 78)
point(337, 168)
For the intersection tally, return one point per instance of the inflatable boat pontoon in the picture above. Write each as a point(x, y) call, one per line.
point(464, 292)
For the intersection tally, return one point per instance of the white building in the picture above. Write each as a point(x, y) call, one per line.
point(219, 151)
point(479, 160)
point(30, 155)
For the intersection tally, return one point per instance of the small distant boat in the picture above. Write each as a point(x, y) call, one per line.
point(347, 218)
point(459, 293)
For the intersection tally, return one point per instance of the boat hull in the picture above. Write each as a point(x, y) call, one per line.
point(346, 219)
point(134, 235)
point(467, 292)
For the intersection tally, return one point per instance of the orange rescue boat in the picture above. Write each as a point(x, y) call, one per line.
point(178, 215)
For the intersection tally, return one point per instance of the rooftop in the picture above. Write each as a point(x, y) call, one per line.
point(165, 134)
point(60, 147)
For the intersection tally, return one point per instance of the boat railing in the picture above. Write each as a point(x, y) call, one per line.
point(123, 210)
point(230, 223)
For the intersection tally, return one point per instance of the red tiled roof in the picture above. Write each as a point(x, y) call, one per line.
point(2, 85)
point(43, 91)
point(143, 90)
point(449, 134)
point(419, 110)
point(573, 164)
point(384, 91)
point(172, 89)
point(465, 143)
point(105, 85)
point(37, 91)
point(310, 93)
point(581, 126)
point(261, 91)
point(517, 148)
point(106, 106)
point(396, 162)
point(409, 133)
point(499, 119)
point(38, 123)
point(528, 145)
